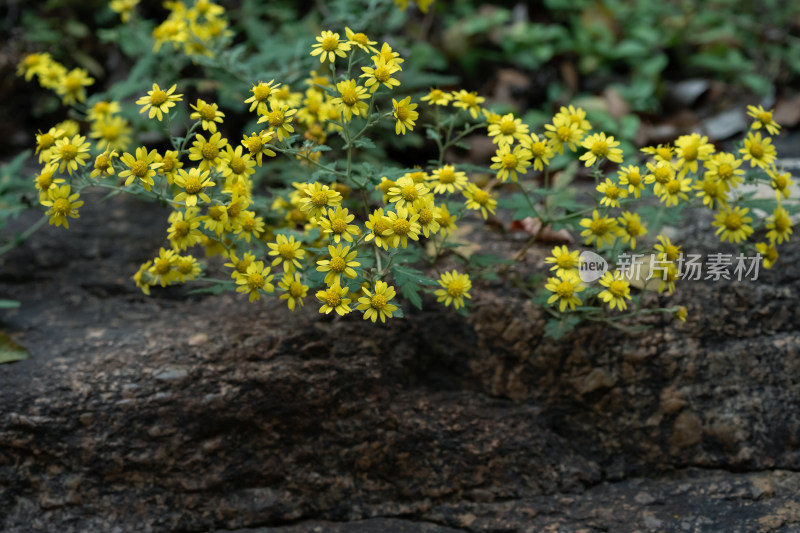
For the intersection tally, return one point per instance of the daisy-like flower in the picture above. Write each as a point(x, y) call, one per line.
point(428, 213)
point(600, 147)
point(447, 221)
point(193, 184)
point(144, 279)
point(158, 101)
point(660, 173)
point(508, 162)
point(662, 152)
point(768, 252)
point(380, 229)
point(295, 290)
point(437, 97)
point(507, 130)
point(564, 288)
point(380, 73)
point(254, 280)
point(45, 141)
point(113, 133)
point(280, 117)
point(375, 305)
point(631, 178)
point(690, 149)
point(124, 8)
point(763, 119)
point(666, 250)
point(187, 268)
point(603, 229)
point(183, 231)
point(208, 114)
point(712, 191)
point(333, 299)
point(103, 166)
point(51, 74)
point(406, 192)
point(479, 200)
point(349, 100)
point(258, 145)
point(329, 46)
point(72, 86)
point(573, 115)
point(611, 193)
point(562, 132)
point(733, 224)
point(387, 54)
point(675, 190)
point(261, 93)
point(781, 182)
point(617, 290)
point(318, 198)
point(455, 287)
point(288, 251)
point(62, 204)
point(341, 263)
point(385, 186)
point(724, 167)
point(32, 64)
point(668, 276)
point(779, 226)
point(168, 165)
point(760, 153)
point(207, 152)
point(102, 110)
point(402, 226)
point(564, 261)
point(69, 153)
point(283, 95)
point(447, 179)
point(163, 269)
point(360, 40)
point(540, 149)
point(404, 112)
point(45, 180)
point(337, 224)
point(139, 166)
point(235, 164)
point(239, 266)
point(248, 226)
point(216, 219)
point(630, 228)
point(468, 101)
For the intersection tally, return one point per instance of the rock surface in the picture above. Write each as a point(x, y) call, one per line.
point(198, 412)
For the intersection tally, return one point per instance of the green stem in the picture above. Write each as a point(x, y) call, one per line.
point(22, 237)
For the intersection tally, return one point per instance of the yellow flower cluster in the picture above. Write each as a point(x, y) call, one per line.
point(196, 29)
point(70, 85)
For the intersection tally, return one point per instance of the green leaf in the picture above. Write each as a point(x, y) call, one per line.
point(10, 351)
point(557, 328)
point(9, 304)
point(410, 281)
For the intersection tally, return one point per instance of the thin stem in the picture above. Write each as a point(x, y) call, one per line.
point(22, 237)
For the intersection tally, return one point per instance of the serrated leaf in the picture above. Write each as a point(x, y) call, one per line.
point(558, 327)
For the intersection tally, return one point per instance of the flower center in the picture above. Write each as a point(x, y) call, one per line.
point(380, 226)
point(276, 118)
point(72, 84)
point(733, 221)
point(168, 164)
point(565, 261)
point(538, 149)
point(664, 153)
point(455, 289)
point(319, 199)
point(509, 161)
point(401, 113)
point(612, 192)
point(725, 171)
point(401, 226)
point(262, 92)
point(564, 133)
point(765, 117)
point(618, 288)
point(338, 225)
point(330, 43)
point(61, 206)
point(208, 112)
point(238, 165)
point(110, 132)
point(635, 179)
point(508, 127)
point(673, 186)
point(360, 38)
point(102, 162)
point(634, 228)
point(162, 266)
point(158, 97)
point(185, 266)
point(756, 150)
point(599, 226)
point(46, 140)
point(409, 193)
point(447, 175)
point(382, 74)
point(215, 212)
point(286, 251)
point(600, 148)
point(690, 152)
point(241, 266)
point(480, 197)
point(378, 301)
point(469, 100)
point(662, 175)
point(296, 289)
point(782, 224)
point(44, 181)
point(68, 152)
point(349, 96)
point(209, 151)
point(338, 264)
point(193, 185)
point(565, 290)
point(255, 280)
point(425, 215)
point(181, 229)
point(139, 169)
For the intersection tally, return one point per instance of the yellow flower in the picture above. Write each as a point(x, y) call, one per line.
point(508, 162)
point(660, 173)
point(103, 165)
point(193, 184)
point(691, 149)
point(469, 101)
point(329, 46)
point(781, 182)
point(406, 191)
point(158, 101)
point(288, 251)
point(769, 254)
point(381, 73)
point(779, 226)
point(564, 262)
point(45, 181)
point(600, 147)
point(573, 115)
point(140, 167)
point(380, 229)
point(337, 224)
point(360, 40)
point(349, 100)
point(733, 224)
point(102, 110)
point(388, 55)
point(69, 153)
point(33, 64)
point(402, 225)
point(455, 287)
point(258, 145)
point(182, 232)
point(71, 89)
point(168, 165)
point(236, 165)
point(437, 97)
point(763, 119)
point(725, 168)
point(377, 304)
point(186, 268)
point(712, 191)
point(507, 130)
point(124, 8)
point(207, 152)
point(540, 149)
point(667, 250)
point(479, 200)
point(248, 226)
point(208, 114)
point(279, 117)
point(111, 133)
point(254, 280)
point(564, 288)
point(163, 269)
point(611, 193)
point(447, 179)
point(333, 299)
point(318, 198)
point(675, 190)
point(617, 290)
point(341, 263)
point(662, 152)
point(630, 228)
point(215, 219)
point(404, 112)
point(62, 204)
point(562, 132)
point(261, 93)
point(295, 290)
point(632, 177)
point(602, 229)
point(428, 214)
point(45, 141)
point(447, 222)
point(760, 153)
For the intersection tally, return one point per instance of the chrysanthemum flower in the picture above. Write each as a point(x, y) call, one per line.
point(294, 289)
point(333, 299)
point(763, 119)
point(168, 165)
point(124, 8)
point(235, 164)
point(102, 110)
point(779, 226)
point(329, 46)
point(479, 200)
point(667, 250)
point(781, 181)
point(341, 263)
point(669, 274)
point(603, 230)
point(183, 231)
point(573, 115)
point(540, 149)
point(377, 304)
point(380, 73)
point(69, 153)
point(380, 229)
point(562, 132)
point(33, 64)
point(675, 190)
point(258, 145)
point(600, 147)
point(62, 204)
point(690, 149)
point(564, 261)
point(158, 101)
point(360, 40)
point(45, 181)
point(760, 153)
point(280, 117)
point(103, 166)
point(468, 101)
point(193, 184)
point(428, 213)
point(207, 152)
point(564, 288)
point(349, 100)
point(402, 226)
point(617, 290)
point(113, 133)
point(404, 112)
point(208, 114)
point(239, 266)
point(45, 141)
point(631, 177)
point(611, 193)
point(437, 97)
point(163, 269)
point(507, 130)
point(447, 179)
point(318, 198)
point(662, 152)
point(733, 224)
point(288, 251)
point(256, 279)
point(769, 254)
point(509, 162)
point(261, 93)
point(405, 192)
point(388, 55)
point(630, 228)
point(71, 89)
point(248, 226)
point(337, 224)
point(215, 219)
point(139, 167)
point(712, 191)
point(661, 173)
point(455, 287)
point(725, 168)
point(187, 268)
